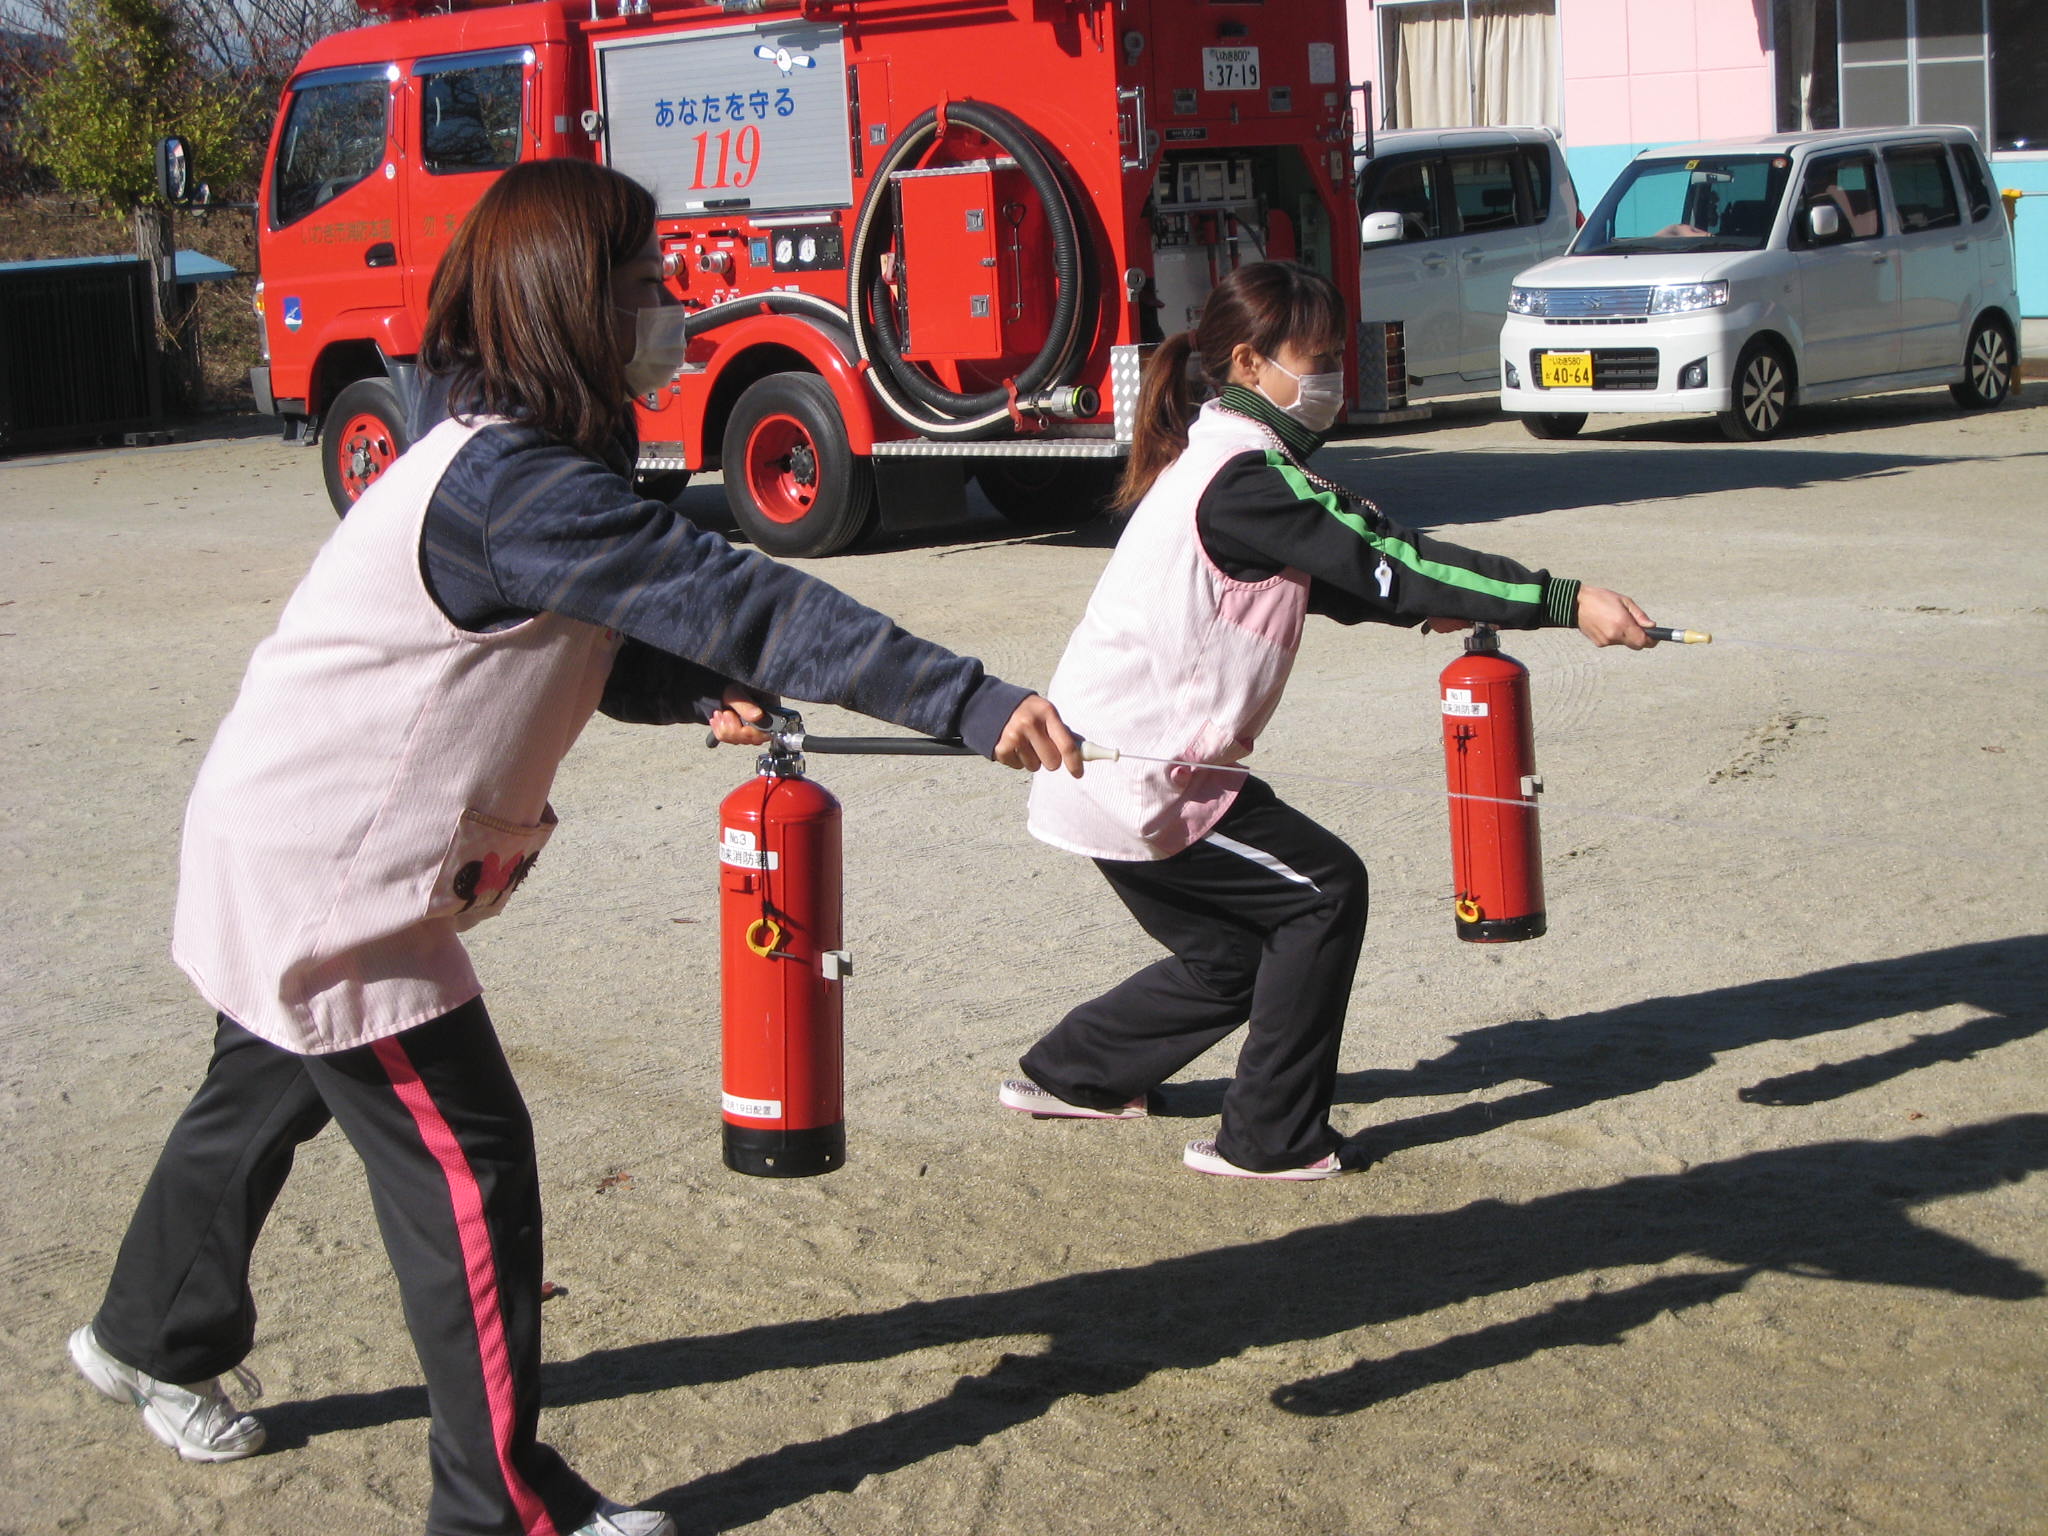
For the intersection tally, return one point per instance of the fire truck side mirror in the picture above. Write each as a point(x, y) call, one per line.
point(174, 171)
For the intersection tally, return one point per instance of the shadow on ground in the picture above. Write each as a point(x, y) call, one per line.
point(1585, 1058)
point(1830, 1212)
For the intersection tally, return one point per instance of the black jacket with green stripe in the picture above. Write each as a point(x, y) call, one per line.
point(1262, 515)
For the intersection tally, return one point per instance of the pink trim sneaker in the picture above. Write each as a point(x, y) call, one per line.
point(1027, 1098)
point(1203, 1158)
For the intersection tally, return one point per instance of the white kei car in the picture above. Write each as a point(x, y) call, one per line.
point(1750, 276)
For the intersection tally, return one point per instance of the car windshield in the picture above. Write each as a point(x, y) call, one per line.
point(1699, 203)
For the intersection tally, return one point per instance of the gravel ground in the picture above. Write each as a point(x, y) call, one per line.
point(1717, 1210)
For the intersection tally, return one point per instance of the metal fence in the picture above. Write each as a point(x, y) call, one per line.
point(78, 354)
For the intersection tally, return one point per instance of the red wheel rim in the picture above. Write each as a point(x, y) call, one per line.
point(363, 450)
point(782, 469)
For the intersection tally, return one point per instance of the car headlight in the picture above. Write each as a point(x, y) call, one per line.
point(1528, 301)
point(1680, 297)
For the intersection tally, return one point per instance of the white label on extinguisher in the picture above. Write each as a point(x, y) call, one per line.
point(750, 1109)
point(1459, 701)
point(740, 850)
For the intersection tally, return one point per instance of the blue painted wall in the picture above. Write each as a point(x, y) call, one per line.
point(1594, 167)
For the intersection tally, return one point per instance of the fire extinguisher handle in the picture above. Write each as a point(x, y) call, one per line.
point(773, 722)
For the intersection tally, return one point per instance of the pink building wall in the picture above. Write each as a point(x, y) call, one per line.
point(1654, 71)
point(1643, 71)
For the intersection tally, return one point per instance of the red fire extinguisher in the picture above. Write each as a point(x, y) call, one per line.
point(780, 899)
point(782, 967)
point(1490, 755)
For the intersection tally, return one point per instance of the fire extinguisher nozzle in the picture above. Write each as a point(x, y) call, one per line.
point(1096, 752)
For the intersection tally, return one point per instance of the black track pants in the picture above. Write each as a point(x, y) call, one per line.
point(1264, 918)
point(444, 1136)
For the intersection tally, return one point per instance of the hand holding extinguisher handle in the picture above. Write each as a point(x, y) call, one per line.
point(773, 722)
point(1680, 636)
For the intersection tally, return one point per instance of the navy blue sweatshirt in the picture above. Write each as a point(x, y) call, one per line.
point(522, 524)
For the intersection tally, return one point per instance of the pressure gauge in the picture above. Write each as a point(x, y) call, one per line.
point(807, 251)
point(785, 250)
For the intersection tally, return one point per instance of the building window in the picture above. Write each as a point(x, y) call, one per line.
point(1874, 63)
point(1468, 63)
point(2019, 75)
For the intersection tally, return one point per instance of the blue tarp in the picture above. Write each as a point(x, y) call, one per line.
point(190, 266)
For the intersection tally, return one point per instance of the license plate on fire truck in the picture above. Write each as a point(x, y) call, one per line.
point(1567, 370)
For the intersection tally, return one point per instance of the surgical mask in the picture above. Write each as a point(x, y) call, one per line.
point(1317, 400)
point(660, 337)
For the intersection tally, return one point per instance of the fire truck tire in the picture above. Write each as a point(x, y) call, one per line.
point(1049, 493)
point(363, 435)
point(795, 485)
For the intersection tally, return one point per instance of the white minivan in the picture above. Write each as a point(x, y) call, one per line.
point(1447, 217)
point(1749, 276)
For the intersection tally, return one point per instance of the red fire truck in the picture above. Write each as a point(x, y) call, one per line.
point(922, 239)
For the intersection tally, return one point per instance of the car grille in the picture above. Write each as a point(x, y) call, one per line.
point(1613, 367)
point(1598, 303)
point(1605, 320)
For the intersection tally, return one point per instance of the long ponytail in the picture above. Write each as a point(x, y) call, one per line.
point(1166, 405)
point(1265, 304)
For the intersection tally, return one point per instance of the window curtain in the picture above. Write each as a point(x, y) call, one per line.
point(1445, 64)
point(1514, 62)
point(1424, 58)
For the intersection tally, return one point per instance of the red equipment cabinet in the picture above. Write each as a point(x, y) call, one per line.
point(1490, 758)
point(1133, 151)
point(781, 964)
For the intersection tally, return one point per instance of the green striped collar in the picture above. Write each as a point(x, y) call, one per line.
point(1249, 402)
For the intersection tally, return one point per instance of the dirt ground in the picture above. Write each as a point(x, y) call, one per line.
point(1720, 1209)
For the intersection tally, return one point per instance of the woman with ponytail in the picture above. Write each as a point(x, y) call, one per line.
point(1183, 653)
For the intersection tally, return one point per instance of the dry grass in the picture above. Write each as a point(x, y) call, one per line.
point(39, 228)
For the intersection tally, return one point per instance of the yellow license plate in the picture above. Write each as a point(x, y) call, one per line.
point(1567, 370)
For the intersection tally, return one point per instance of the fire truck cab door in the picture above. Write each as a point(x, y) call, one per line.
point(470, 115)
point(333, 200)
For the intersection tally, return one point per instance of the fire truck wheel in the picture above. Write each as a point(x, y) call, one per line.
point(1048, 493)
point(365, 432)
point(794, 484)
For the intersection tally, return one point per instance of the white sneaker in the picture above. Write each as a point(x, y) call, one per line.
point(1027, 1098)
point(1203, 1157)
point(195, 1420)
point(617, 1520)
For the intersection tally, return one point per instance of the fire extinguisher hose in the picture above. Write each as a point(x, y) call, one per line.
point(908, 394)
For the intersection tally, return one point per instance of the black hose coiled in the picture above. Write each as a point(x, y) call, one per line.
point(910, 396)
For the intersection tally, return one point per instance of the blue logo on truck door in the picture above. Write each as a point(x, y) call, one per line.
point(294, 314)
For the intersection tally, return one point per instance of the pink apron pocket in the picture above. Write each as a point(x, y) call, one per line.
point(487, 861)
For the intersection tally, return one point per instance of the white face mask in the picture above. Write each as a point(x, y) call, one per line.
point(1318, 398)
point(659, 341)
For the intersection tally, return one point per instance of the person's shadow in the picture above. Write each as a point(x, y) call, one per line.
point(1837, 1211)
point(1582, 1059)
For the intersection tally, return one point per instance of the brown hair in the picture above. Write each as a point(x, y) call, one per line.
point(1265, 304)
point(519, 317)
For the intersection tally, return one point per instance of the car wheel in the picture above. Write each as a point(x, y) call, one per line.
point(1048, 493)
point(364, 435)
point(1553, 425)
point(794, 484)
point(1987, 368)
point(1763, 394)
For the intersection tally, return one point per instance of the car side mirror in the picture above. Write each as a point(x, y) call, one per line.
point(1824, 222)
point(174, 171)
point(1380, 229)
